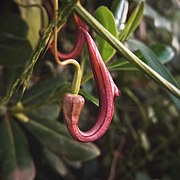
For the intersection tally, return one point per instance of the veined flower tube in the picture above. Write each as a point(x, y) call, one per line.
point(107, 90)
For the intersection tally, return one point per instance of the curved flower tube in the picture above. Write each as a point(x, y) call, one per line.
point(79, 44)
point(107, 90)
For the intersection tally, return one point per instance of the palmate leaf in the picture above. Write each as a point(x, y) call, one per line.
point(15, 159)
point(55, 137)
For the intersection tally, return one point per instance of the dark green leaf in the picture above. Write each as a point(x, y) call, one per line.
point(14, 51)
point(56, 163)
point(55, 137)
point(90, 97)
point(50, 111)
point(106, 18)
point(15, 158)
point(133, 21)
point(122, 65)
point(10, 75)
point(13, 25)
point(120, 10)
point(142, 176)
point(41, 91)
point(152, 60)
point(163, 53)
point(33, 17)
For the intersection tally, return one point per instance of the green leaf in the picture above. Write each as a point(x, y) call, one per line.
point(50, 111)
point(15, 158)
point(133, 21)
point(56, 163)
point(41, 91)
point(14, 25)
point(152, 60)
point(120, 10)
point(32, 16)
point(142, 176)
point(55, 137)
point(106, 18)
point(14, 51)
point(9, 76)
point(122, 65)
point(89, 97)
point(163, 52)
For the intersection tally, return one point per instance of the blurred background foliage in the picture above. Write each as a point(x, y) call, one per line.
point(143, 140)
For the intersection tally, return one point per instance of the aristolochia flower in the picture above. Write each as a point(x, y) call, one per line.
point(107, 90)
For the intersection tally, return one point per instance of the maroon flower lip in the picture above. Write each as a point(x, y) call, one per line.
point(79, 44)
point(107, 90)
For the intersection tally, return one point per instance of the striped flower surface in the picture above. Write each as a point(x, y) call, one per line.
point(107, 90)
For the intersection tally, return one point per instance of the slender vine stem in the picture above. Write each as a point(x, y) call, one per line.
point(78, 75)
point(97, 27)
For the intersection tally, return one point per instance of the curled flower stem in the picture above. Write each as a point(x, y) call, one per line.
point(107, 90)
point(78, 75)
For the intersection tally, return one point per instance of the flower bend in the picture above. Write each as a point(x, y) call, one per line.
point(107, 90)
point(79, 44)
